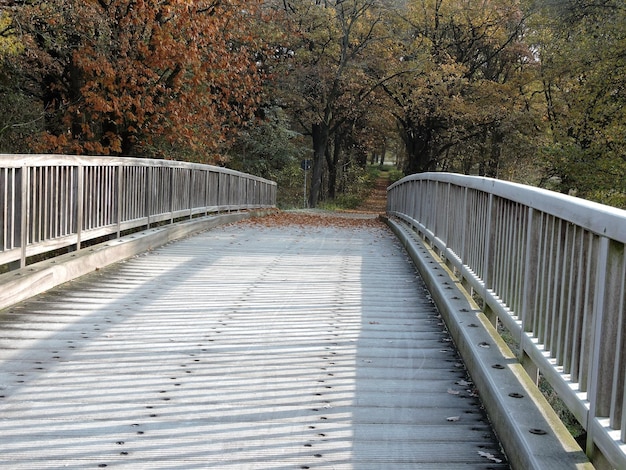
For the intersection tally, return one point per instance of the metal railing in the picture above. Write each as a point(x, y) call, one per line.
point(552, 268)
point(50, 202)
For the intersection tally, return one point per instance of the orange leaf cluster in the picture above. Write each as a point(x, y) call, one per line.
point(145, 72)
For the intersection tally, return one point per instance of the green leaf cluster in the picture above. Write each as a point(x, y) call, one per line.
point(582, 45)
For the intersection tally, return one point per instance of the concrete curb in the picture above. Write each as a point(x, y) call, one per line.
point(532, 435)
point(19, 285)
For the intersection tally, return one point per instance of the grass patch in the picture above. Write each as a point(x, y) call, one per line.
point(559, 407)
point(356, 186)
point(395, 175)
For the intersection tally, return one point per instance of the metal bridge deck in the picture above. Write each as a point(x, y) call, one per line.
point(248, 346)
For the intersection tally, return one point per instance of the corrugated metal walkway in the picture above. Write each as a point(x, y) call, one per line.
point(246, 347)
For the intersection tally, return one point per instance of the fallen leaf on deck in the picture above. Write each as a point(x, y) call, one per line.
point(489, 456)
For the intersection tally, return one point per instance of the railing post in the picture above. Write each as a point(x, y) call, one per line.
point(529, 292)
point(172, 173)
point(190, 193)
point(487, 261)
point(80, 201)
point(149, 190)
point(23, 201)
point(598, 381)
point(119, 192)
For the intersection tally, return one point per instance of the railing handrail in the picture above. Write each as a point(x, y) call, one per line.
point(40, 160)
point(552, 268)
point(51, 202)
point(597, 218)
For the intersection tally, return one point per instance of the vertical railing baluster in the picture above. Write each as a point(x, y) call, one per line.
point(119, 193)
point(614, 292)
point(59, 216)
point(79, 211)
point(98, 190)
point(464, 227)
point(568, 309)
point(4, 209)
point(190, 192)
point(529, 293)
point(598, 378)
point(24, 214)
point(45, 203)
point(622, 426)
point(488, 260)
point(106, 196)
point(149, 190)
point(172, 183)
point(573, 367)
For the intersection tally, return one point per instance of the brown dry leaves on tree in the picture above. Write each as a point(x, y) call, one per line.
point(137, 77)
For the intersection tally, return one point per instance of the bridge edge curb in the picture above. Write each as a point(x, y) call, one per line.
point(481, 348)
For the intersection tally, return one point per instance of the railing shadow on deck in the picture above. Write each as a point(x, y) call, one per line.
point(356, 326)
point(552, 269)
point(86, 415)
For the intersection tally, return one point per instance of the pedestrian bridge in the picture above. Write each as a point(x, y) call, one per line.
point(258, 340)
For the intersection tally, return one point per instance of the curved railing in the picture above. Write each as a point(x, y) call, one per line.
point(50, 202)
point(552, 268)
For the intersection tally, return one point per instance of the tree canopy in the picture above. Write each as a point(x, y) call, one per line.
point(582, 46)
point(124, 77)
point(527, 90)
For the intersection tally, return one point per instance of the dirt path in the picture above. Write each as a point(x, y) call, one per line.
point(366, 215)
point(376, 202)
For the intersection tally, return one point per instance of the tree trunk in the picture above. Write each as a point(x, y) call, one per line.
point(417, 143)
point(320, 133)
point(333, 162)
point(494, 158)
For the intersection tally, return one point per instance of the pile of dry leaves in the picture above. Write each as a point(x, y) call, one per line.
point(316, 218)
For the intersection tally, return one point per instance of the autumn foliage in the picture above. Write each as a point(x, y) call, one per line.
point(145, 76)
point(526, 91)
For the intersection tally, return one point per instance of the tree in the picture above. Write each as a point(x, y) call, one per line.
point(582, 48)
point(267, 147)
point(272, 150)
point(130, 76)
point(455, 110)
point(19, 114)
point(331, 44)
